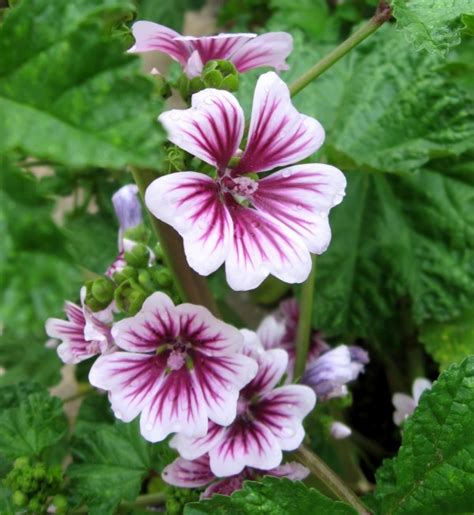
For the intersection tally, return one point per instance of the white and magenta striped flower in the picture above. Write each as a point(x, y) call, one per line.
point(84, 334)
point(197, 473)
point(245, 51)
point(269, 420)
point(278, 331)
point(177, 365)
point(258, 227)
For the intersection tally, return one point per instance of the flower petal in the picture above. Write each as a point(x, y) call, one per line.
point(244, 444)
point(300, 197)
point(419, 386)
point(193, 448)
point(262, 246)
point(132, 380)
point(283, 410)
point(404, 407)
point(207, 48)
point(189, 202)
point(225, 486)
point(210, 129)
point(150, 37)
point(176, 406)
point(187, 473)
point(221, 378)
point(271, 367)
point(269, 49)
point(156, 323)
point(292, 470)
point(271, 332)
point(278, 135)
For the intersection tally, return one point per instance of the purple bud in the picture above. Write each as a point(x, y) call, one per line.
point(339, 431)
point(127, 207)
point(359, 355)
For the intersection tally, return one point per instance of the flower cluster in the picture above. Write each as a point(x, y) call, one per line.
point(224, 395)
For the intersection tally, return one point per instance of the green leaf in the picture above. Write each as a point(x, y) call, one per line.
point(33, 425)
point(271, 496)
point(94, 412)
point(433, 25)
point(69, 93)
point(167, 12)
point(449, 342)
point(26, 358)
point(434, 470)
point(110, 464)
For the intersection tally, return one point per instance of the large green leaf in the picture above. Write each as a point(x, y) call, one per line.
point(434, 470)
point(452, 341)
point(30, 426)
point(110, 464)
point(272, 496)
point(433, 25)
point(69, 92)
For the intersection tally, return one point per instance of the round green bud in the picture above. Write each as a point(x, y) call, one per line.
point(128, 272)
point(230, 83)
point(158, 251)
point(39, 472)
point(19, 498)
point(146, 280)
point(130, 296)
point(196, 84)
point(163, 277)
point(213, 79)
point(102, 290)
point(21, 462)
point(138, 256)
point(162, 86)
point(183, 86)
point(34, 505)
point(140, 233)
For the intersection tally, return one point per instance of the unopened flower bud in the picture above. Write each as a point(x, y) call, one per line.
point(213, 79)
point(60, 503)
point(220, 74)
point(102, 290)
point(127, 207)
point(163, 277)
point(140, 233)
point(196, 84)
point(146, 280)
point(19, 498)
point(138, 256)
point(128, 272)
point(130, 296)
point(339, 431)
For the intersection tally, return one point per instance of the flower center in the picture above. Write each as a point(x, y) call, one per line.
point(242, 406)
point(242, 188)
point(178, 355)
point(176, 359)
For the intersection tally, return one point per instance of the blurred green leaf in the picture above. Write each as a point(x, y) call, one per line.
point(432, 25)
point(94, 412)
point(272, 496)
point(449, 342)
point(434, 469)
point(110, 464)
point(31, 426)
point(167, 12)
point(69, 92)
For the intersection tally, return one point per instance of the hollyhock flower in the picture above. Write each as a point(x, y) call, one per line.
point(269, 420)
point(329, 374)
point(197, 473)
point(177, 365)
point(404, 404)
point(83, 335)
point(339, 431)
point(245, 51)
point(258, 227)
point(278, 331)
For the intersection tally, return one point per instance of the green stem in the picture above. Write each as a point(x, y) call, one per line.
point(382, 14)
point(192, 287)
point(303, 334)
point(331, 480)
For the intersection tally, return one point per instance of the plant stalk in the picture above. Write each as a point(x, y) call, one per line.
point(382, 14)
point(192, 287)
point(303, 334)
point(331, 480)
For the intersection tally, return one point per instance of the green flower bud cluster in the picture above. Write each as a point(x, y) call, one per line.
point(218, 74)
point(131, 286)
point(162, 86)
point(175, 159)
point(33, 486)
point(177, 498)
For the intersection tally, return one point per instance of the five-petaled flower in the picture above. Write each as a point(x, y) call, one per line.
point(197, 473)
point(269, 419)
point(258, 227)
point(245, 51)
point(177, 365)
point(83, 335)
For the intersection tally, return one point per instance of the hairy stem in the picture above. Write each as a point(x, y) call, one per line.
point(303, 334)
point(382, 14)
point(331, 480)
point(192, 287)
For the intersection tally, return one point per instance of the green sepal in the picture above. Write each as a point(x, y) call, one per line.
point(138, 256)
